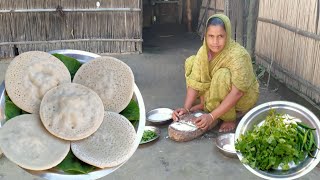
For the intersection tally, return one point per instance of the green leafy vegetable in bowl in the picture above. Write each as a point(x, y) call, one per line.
point(148, 135)
point(278, 143)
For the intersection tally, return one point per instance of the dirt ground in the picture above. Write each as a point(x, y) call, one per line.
point(159, 74)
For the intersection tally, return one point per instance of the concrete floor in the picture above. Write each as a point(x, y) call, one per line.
point(159, 74)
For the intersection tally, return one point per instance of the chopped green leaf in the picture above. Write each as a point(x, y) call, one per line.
point(131, 112)
point(71, 63)
point(72, 165)
point(147, 135)
point(276, 143)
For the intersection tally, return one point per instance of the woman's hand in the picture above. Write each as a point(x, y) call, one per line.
point(204, 121)
point(178, 112)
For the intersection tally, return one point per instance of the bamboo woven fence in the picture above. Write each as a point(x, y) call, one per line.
point(242, 14)
point(113, 27)
point(209, 8)
point(287, 43)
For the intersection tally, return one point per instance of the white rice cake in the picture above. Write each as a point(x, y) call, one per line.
point(30, 75)
point(71, 111)
point(25, 141)
point(111, 145)
point(110, 78)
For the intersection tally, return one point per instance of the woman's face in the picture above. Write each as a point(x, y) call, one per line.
point(216, 38)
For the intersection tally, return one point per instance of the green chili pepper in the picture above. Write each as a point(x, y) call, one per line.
point(311, 141)
point(300, 135)
point(305, 126)
point(305, 139)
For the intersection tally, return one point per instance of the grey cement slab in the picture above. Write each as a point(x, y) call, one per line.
point(159, 74)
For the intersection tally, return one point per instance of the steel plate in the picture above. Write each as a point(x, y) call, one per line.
point(258, 114)
point(54, 174)
point(153, 129)
point(160, 115)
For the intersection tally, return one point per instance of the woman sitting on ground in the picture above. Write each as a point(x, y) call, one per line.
point(222, 76)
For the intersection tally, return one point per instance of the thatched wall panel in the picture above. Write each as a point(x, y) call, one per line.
point(220, 4)
point(44, 30)
point(298, 13)
point(303, 48)
point(288, 45)
point(316, 57)
point(94, 46)
point(208, 8)
point(39, 4)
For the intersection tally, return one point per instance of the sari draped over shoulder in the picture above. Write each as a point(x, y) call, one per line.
point(214, 78)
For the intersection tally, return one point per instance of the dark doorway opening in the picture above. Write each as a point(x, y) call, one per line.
point(166, 20)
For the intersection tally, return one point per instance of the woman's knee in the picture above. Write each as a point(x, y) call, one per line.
point(222, 73)
point(222, 78)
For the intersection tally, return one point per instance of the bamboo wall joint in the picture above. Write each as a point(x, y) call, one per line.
point(290, 28)
point(69, 10)
point(71, 40)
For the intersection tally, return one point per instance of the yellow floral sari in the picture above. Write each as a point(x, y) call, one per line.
point(214, 78)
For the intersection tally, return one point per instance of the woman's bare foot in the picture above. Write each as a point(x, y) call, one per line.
point(227, 126)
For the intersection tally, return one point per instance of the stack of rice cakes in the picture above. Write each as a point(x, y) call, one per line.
point(83, 114)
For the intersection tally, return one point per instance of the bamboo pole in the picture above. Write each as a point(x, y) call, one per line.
point(189, 15)
point(68, 10)
point(239, 17)
point(180, 5)
point(71, 40)
point(290, 28)
point(252, 26)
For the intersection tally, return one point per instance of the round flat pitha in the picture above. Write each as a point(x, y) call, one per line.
point(30, 75)
point(111, 145)
point(25, 141)
point(111, 79)
point(71, 111)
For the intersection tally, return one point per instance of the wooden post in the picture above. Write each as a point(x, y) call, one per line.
point(189, 16)
point(227, 8)
point(180, 5)
point(238, 12)
point(252, 25)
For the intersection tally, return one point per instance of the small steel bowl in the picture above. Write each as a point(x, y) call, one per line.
point(225, 144)
point(160, 116)
point(257, 116)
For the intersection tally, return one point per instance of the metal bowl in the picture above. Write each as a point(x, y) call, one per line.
point(55, 174)
point(225, 144)
point(160, 115)
point(258, 114)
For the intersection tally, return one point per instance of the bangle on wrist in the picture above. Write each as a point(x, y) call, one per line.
point(211, 116)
